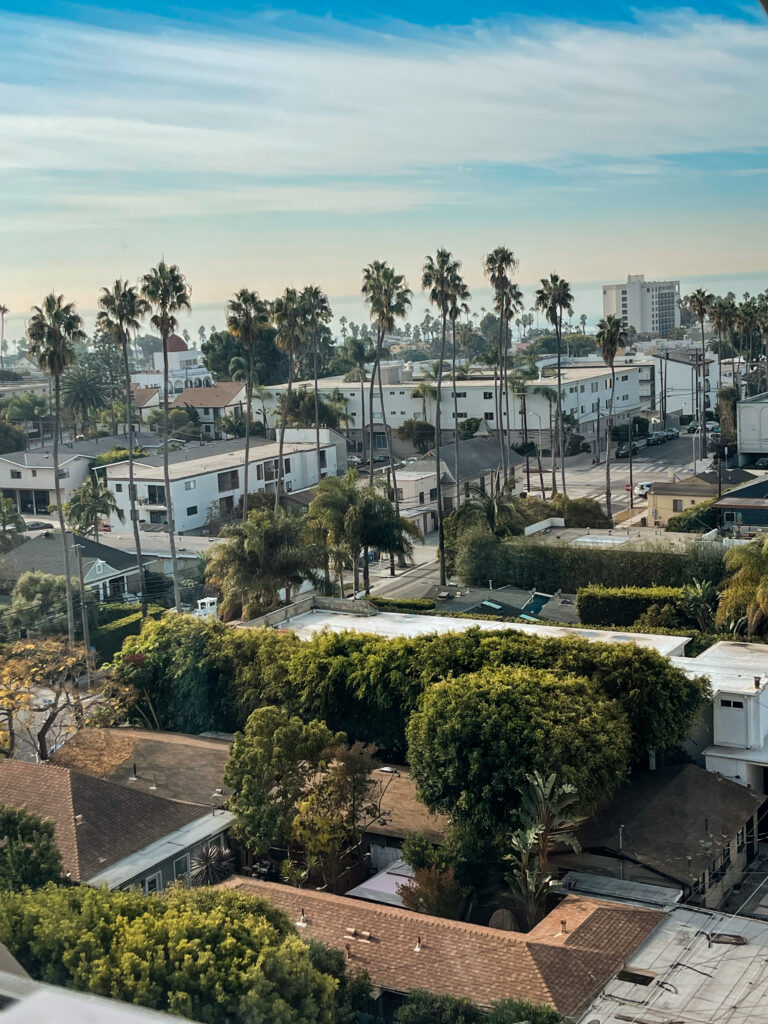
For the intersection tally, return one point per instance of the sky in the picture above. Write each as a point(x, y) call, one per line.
point(266, 146)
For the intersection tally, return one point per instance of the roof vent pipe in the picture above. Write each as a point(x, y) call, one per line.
point(757, 682)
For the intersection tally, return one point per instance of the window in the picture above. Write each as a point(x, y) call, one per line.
point(190, 485)
point(206, 412)
point(152, 884)
point(625, 376)
point(727, 703)
point(287, 464)
point(229, 481)
point(433, 494)
point(192, 510)
point(181, 868)
point(489, 415)
point(460, 394)
point(156, 494)
point(677, 505)
point(421, 497)
point(581, 388)
point(260, 471)
point(63, 474)
point(118, 488)
point(34, 472)
point(379, 441)
point(399, 493)
point(323, 458)
point(288, 486)
point(15, 474)
point(487, 395)
point(595, 385)
point(740, 840)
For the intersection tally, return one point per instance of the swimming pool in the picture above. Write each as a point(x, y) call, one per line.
point(535, 603)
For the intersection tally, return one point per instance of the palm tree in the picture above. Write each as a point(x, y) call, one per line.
point(121, 310)
point(360, 354)
point(263, 396)
point(498, 267)
point(247, 316)
point(496, 511)
point(317, 315)
point(9, 516)
point(722, 314)
point(460, 296)
point(699, 303)
point(166, 291)
point(554, 298)
point(89, 504)
point(388, 298)
point(611, 335)
point(333, 507)
point(4, 311)
point(82, 393)
point(745, 590)
point(288, 318)
point(550, 395)
point(53, 330)
point(438, 278)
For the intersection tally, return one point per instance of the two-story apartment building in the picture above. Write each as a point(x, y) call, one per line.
point(212, 404)
point(207, 478)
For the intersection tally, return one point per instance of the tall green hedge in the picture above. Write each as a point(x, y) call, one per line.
point(108, 638)
point(697, 519)
point(621, 606)
point(552, 565)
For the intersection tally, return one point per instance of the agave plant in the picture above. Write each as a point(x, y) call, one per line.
point(211, 864)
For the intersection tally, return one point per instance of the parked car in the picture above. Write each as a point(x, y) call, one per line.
point(354, 460)
point(622, 452)
point(761, 463)
point(642, 490)
point(693, 427)
point(657, 437)
point(672, 433)
point(711, 425)
point(37, 526)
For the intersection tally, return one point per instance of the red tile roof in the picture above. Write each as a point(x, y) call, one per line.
point(177, 344)
point(97, 822)
point(140, 396)
point(561, 969)
point(226, 392)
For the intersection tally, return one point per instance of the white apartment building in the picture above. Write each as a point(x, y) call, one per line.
point(207, 478)
point(586, 394)
point(678, 373)
point(185, 369)
point(651, 307)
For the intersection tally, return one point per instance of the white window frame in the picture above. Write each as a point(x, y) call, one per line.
point(156, 877)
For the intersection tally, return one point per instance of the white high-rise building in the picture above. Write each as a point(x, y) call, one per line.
point(651, 307)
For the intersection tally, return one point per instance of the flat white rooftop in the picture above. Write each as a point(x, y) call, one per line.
point(394, 624)
point(706, 968)
point(730, 665)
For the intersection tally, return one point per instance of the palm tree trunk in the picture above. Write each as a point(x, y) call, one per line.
point(248, 403)
point(132, 486)
point(376, 372)
point(505, 395)
point(552, 446)
point(167, 480)
point(60, 507)
point(438, 432)
point(702, 431)
point(362, 405)
point(608, 432)
point(496, 385)
point(560, 424)
point(317, 406)
point(455, 419)
point(281, 443)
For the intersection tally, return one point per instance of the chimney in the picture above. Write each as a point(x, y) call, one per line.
point(417, 947)
point(690, 864)
point(757, 682)
point(564, 926)
point(706, 824)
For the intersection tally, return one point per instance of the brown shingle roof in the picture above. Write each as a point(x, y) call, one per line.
point(405, 811)
point(97, 822)
point(564, 970)
point(140, 396)
point(218, 397)
point(185, 768)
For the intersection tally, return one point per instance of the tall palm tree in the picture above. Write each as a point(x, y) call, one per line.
point(166, 291)
point(438, 279)
point(611, 336)
point(700, 302)
point(498, 267)
point(288, 319)
point(89, 504)
point(4, 311)
point(121, 310)
point(723, 315)
point(554, 298)
point(317, 315)
point(53, 330)
point(332, 507)
point(360, 354)
point(247, 316)
point(83, 393)
point(388, 298)
point(460, 296)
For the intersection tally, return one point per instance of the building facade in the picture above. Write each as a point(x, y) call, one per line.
point(651, 307)
point(185, 369)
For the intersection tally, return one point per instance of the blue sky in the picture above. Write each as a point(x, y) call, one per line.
point(267, 146)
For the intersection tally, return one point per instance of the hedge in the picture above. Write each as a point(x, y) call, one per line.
point(113, 610)
point(388, 604)
point(108, 638)
point(698, 519)
point(621, 606)
point(554, 565)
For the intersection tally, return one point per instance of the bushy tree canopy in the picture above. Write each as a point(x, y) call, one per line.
point(29, 855)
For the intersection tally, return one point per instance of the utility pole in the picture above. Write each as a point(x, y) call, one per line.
point(84, 612)
point(631, 481)
point(525, 442)
point(597, 432)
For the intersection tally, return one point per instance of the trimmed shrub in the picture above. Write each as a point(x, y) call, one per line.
point(108, 638)
point(621, 606)
point(111, 611)
point(387, 604)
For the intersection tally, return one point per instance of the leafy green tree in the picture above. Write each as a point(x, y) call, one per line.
point(468, 428)
point(482, 556)
point(270, 767)
point(29, 856)
point(473, 740)
point(435, 892)
point(12, 438)
point(209, 956)
point(418, 433)
point(54, 329)
point(745, 592)
point(83, 393)
point(9, 516)
point(39, 600)
point(258, 559)
point(353, 988)
point(513, 1011)
point(165, 290)
point(699, 602)
point(422, 1007)
point(121, 310)
point(89, 505)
